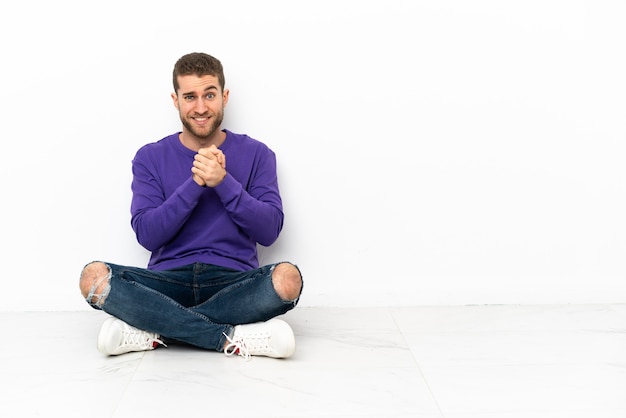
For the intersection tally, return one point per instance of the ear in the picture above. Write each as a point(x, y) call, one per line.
point(175, 99)
point(225, 96)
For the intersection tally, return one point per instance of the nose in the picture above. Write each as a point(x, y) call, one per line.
point(200, 106)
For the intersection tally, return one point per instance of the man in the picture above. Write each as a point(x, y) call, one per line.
point(202, 199)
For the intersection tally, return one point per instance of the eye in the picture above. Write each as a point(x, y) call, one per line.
point(188, 97)
point(210, 96)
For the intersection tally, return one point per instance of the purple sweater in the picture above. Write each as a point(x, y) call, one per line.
point(182, 223)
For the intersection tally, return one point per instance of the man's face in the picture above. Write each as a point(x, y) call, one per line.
point(200, 103)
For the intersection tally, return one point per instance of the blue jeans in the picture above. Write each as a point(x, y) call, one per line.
point(197, 304)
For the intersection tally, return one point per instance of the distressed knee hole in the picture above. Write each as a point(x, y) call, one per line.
point(95, 283)
point(287, 281)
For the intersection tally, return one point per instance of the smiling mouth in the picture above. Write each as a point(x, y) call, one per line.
point(201, 120)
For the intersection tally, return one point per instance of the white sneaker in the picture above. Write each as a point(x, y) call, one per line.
point(117, 337)
point(273, 338)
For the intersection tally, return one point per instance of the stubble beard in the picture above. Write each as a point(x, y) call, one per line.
point(216, 122)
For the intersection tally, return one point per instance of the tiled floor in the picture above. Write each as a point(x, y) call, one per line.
point(452, 362)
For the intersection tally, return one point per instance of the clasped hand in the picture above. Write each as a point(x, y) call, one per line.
point(209, 166)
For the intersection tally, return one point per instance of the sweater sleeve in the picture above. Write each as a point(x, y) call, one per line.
point(257, 208)
point(155, 219)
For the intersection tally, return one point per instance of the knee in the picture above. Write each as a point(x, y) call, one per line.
point(287, 281)
point(94, 282)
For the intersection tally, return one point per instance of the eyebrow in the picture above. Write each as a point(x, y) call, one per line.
point(211, 87)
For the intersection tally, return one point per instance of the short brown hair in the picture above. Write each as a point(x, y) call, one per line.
point(198, 63)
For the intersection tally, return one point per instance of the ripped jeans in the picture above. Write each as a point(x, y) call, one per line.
point(197, 304)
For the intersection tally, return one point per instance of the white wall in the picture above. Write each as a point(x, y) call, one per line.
point(430, 152)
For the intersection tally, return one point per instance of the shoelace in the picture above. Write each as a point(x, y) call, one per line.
point(138, 338)
point(236, 346)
